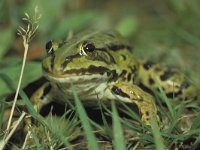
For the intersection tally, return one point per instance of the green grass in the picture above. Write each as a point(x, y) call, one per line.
point(86, 125)
point(158, 140)
point(141, 136)
point(119, 141)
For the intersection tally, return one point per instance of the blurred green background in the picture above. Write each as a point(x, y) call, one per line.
point(165, 31)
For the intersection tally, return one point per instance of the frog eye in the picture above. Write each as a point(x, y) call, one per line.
point(49, 48)
point(88, 47)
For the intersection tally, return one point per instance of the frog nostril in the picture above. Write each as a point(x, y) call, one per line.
point(67, 59)
point(64, 64)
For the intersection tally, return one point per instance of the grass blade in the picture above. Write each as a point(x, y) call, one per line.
point(86, 125)
point(196, 123)
point(157, 136)
point(167, 102)
point(119, 141)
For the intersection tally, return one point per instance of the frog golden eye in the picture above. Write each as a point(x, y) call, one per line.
point(89, 47)
point(49, 48)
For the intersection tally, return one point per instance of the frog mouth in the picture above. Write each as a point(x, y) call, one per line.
point(75, 73)
point(72, 78)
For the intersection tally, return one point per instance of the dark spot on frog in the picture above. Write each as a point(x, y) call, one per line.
point(108, 73)
point(184, 85)
point(134, 70)
point(123, 75)
point(114, 75)
point(145, 88)
point(101, 70)
point(147, 65)
point(123, 57)
point(147, 113)
point(129, 77)
point(116, 47)
point(167, 74)
point(158, 69)
point(110, 59)
point(173, 94)
point(151, 81)
point(119, 92)
point(91, 69)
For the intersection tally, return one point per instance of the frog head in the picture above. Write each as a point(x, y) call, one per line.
point(85, 55)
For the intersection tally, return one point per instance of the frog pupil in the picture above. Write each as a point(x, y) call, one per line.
point(89, 47)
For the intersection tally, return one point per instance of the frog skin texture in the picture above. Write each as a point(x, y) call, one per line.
point(101, 65)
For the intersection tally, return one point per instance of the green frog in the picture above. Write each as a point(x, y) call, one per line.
point(101, 65)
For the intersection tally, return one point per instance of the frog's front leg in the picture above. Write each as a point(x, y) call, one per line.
point(42, 96)
point(133, 94)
